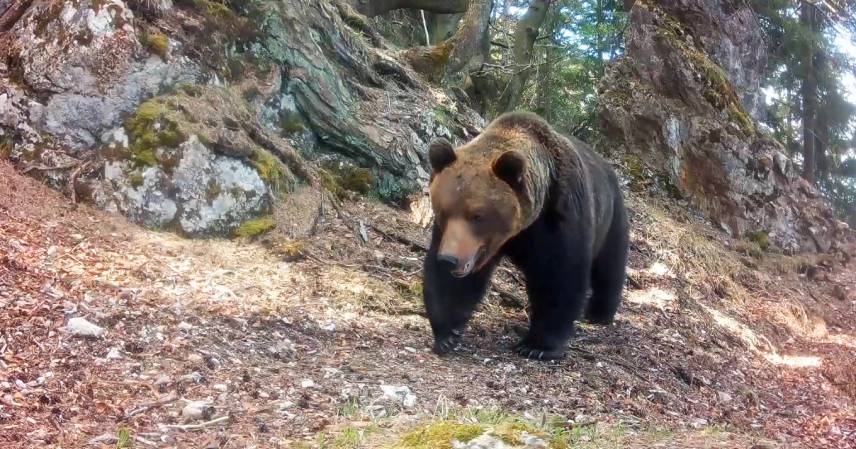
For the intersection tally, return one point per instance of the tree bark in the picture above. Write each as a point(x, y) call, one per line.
point(464, 51)
point(373, 8)
point(809, 96)
point(13, 13)
point(524, 42)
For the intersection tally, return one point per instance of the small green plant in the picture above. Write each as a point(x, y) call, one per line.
point(123, 438)
point(256, 227)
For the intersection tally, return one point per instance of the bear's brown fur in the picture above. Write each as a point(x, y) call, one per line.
point(547, 202)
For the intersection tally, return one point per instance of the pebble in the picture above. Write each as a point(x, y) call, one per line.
point(307, 383)
point(114, 354)
point(220, 387)
point(80, 327)
point(197, 410)
point(193, 377)
point(400, 394)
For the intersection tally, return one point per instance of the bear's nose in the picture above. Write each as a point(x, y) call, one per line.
point(448, 258)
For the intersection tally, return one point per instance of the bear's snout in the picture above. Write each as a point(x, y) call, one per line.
point(448, 259)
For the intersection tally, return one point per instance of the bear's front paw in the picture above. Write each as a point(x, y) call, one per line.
point(535, 353)
point(444, 345)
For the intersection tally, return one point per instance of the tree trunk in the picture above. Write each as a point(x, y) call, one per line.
point(442, 26)
point(809, 96)
point(544, 92)
point(373, 8)
point(524, 42)
point(464, 51)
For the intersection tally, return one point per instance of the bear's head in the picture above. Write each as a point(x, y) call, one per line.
point(476, 202)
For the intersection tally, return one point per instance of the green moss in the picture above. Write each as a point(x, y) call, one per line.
point(290, 123)
point(329, 182)
point(635, 167)
point(511, 432)
point(151, 128)
point(252, 93)
point(6, 147)
point(439, 435)
point(269, 168)
point(340, 178)
point(441, 115)
point(136, 179)
point(258, 226)
point(192, 90)
point(156, 43)
point(761, 238)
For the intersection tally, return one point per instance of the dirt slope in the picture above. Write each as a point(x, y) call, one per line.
point(290, 341)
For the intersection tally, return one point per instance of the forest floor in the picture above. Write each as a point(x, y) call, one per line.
point(321, 342)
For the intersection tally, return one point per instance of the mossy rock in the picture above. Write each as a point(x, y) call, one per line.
point(255, 227)
point(718, 90)
point(271, 169)
point(439, 435)
point(290, 123)
point(340, 178)
point(153, 126)
point(213, 114)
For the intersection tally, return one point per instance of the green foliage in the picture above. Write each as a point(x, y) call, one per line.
point(253, 228)
point(580, 37)
point(791, 39)
point(124, 439)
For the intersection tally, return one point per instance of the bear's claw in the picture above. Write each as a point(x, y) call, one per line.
point(447, 344)
point(525, 350)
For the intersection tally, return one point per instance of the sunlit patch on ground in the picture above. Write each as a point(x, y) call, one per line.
point(794, 361)
point(654, 297)
point(738, 329)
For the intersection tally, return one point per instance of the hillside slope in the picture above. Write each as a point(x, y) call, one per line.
point(290, 342)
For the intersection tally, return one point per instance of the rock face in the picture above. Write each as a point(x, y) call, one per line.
point(203, 194)
point(197, 116)
point(678, 109)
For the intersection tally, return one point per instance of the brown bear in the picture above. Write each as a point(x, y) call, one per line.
point(548, 203)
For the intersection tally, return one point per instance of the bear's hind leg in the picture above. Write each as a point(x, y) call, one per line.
point(557, 280)
point(608, 273)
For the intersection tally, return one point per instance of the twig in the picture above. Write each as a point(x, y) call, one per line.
point(413, 244)
point(198, 426)
point(145, 441)
point(159, 403)
point(592, 356)
point(47, 168)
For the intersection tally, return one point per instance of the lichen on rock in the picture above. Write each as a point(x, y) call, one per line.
point(202, 194)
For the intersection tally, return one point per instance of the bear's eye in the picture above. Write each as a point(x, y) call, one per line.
point(477, 217)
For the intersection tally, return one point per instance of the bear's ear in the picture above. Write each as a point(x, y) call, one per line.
point(441, 154)
point(510, 167)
